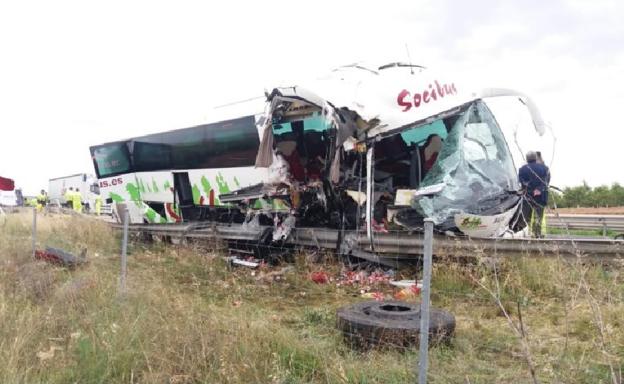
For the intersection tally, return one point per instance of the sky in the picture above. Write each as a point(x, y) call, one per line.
point(80, 73)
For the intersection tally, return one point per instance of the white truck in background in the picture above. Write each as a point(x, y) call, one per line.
point(86, 184)
point(8, 199)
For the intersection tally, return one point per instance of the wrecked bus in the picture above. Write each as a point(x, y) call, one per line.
point(369, 150)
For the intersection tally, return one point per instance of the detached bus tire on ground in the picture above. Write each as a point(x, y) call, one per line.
point(391, 324)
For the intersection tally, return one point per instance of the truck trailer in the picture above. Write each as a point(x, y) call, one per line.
point(86, 184)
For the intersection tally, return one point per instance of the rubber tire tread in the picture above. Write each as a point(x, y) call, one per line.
point(363, 331)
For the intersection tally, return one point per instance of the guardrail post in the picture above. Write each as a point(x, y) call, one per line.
point(34, 232)
point(124, 254)
point(423, 355)
point(604, 227)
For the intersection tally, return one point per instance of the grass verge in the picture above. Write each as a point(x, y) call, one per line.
point(188, 318)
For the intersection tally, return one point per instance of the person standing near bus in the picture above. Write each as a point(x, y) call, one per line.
point(42, 200)
point(540, 160)
point(535, 178)
point(77, 201)
point(98, 205)
point(19, 197)
point(31, 202)
point(68, 196)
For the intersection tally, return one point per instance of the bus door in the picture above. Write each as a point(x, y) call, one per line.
point(183, 196)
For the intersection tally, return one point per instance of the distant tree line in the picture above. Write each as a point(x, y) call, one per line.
point(586, 196)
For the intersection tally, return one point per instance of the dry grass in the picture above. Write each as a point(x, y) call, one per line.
point(188, 318)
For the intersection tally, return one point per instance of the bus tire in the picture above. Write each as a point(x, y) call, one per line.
point(393, 324)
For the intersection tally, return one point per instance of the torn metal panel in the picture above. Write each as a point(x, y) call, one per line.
point(253, 192)
point(283, 229)
point(264, 158)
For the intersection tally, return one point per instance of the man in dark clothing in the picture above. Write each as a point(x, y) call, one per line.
point(535, 177)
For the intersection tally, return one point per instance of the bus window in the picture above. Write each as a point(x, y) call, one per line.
point(231, 143)
point(111, 159)
point(151, 156)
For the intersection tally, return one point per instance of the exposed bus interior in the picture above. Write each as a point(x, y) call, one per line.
point(296, 188)
point(400, 163)
point(457, 163)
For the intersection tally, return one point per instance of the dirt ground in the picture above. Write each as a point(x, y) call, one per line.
point(592, 211)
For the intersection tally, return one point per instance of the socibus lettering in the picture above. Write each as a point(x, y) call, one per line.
point(407, 101)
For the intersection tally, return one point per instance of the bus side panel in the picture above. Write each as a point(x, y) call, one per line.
point(209, 184)
point(155, 186)
point(131, 189)
point(121, 189)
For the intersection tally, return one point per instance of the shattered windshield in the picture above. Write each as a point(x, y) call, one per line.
point(474, 165)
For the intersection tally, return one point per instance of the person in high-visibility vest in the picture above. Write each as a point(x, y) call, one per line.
point(77, 201)
point(42, 200)
point(31, 202)
point(68, 196)
point(98, 205)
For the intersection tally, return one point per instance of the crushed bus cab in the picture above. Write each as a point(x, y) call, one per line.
point(361, 150)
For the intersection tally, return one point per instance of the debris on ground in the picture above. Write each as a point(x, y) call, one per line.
point(406, 283)
point(61, 257)
point(410, 292)
point(379, 284)
point(269, 277)
point(409, 289)
point(248, 262)
point(319, 277)
point(391, 324)
point(378, 296)
point(363, 277)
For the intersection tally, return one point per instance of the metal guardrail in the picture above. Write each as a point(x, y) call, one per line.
point(395, 245)
point(106, 210)
point(597, 222)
